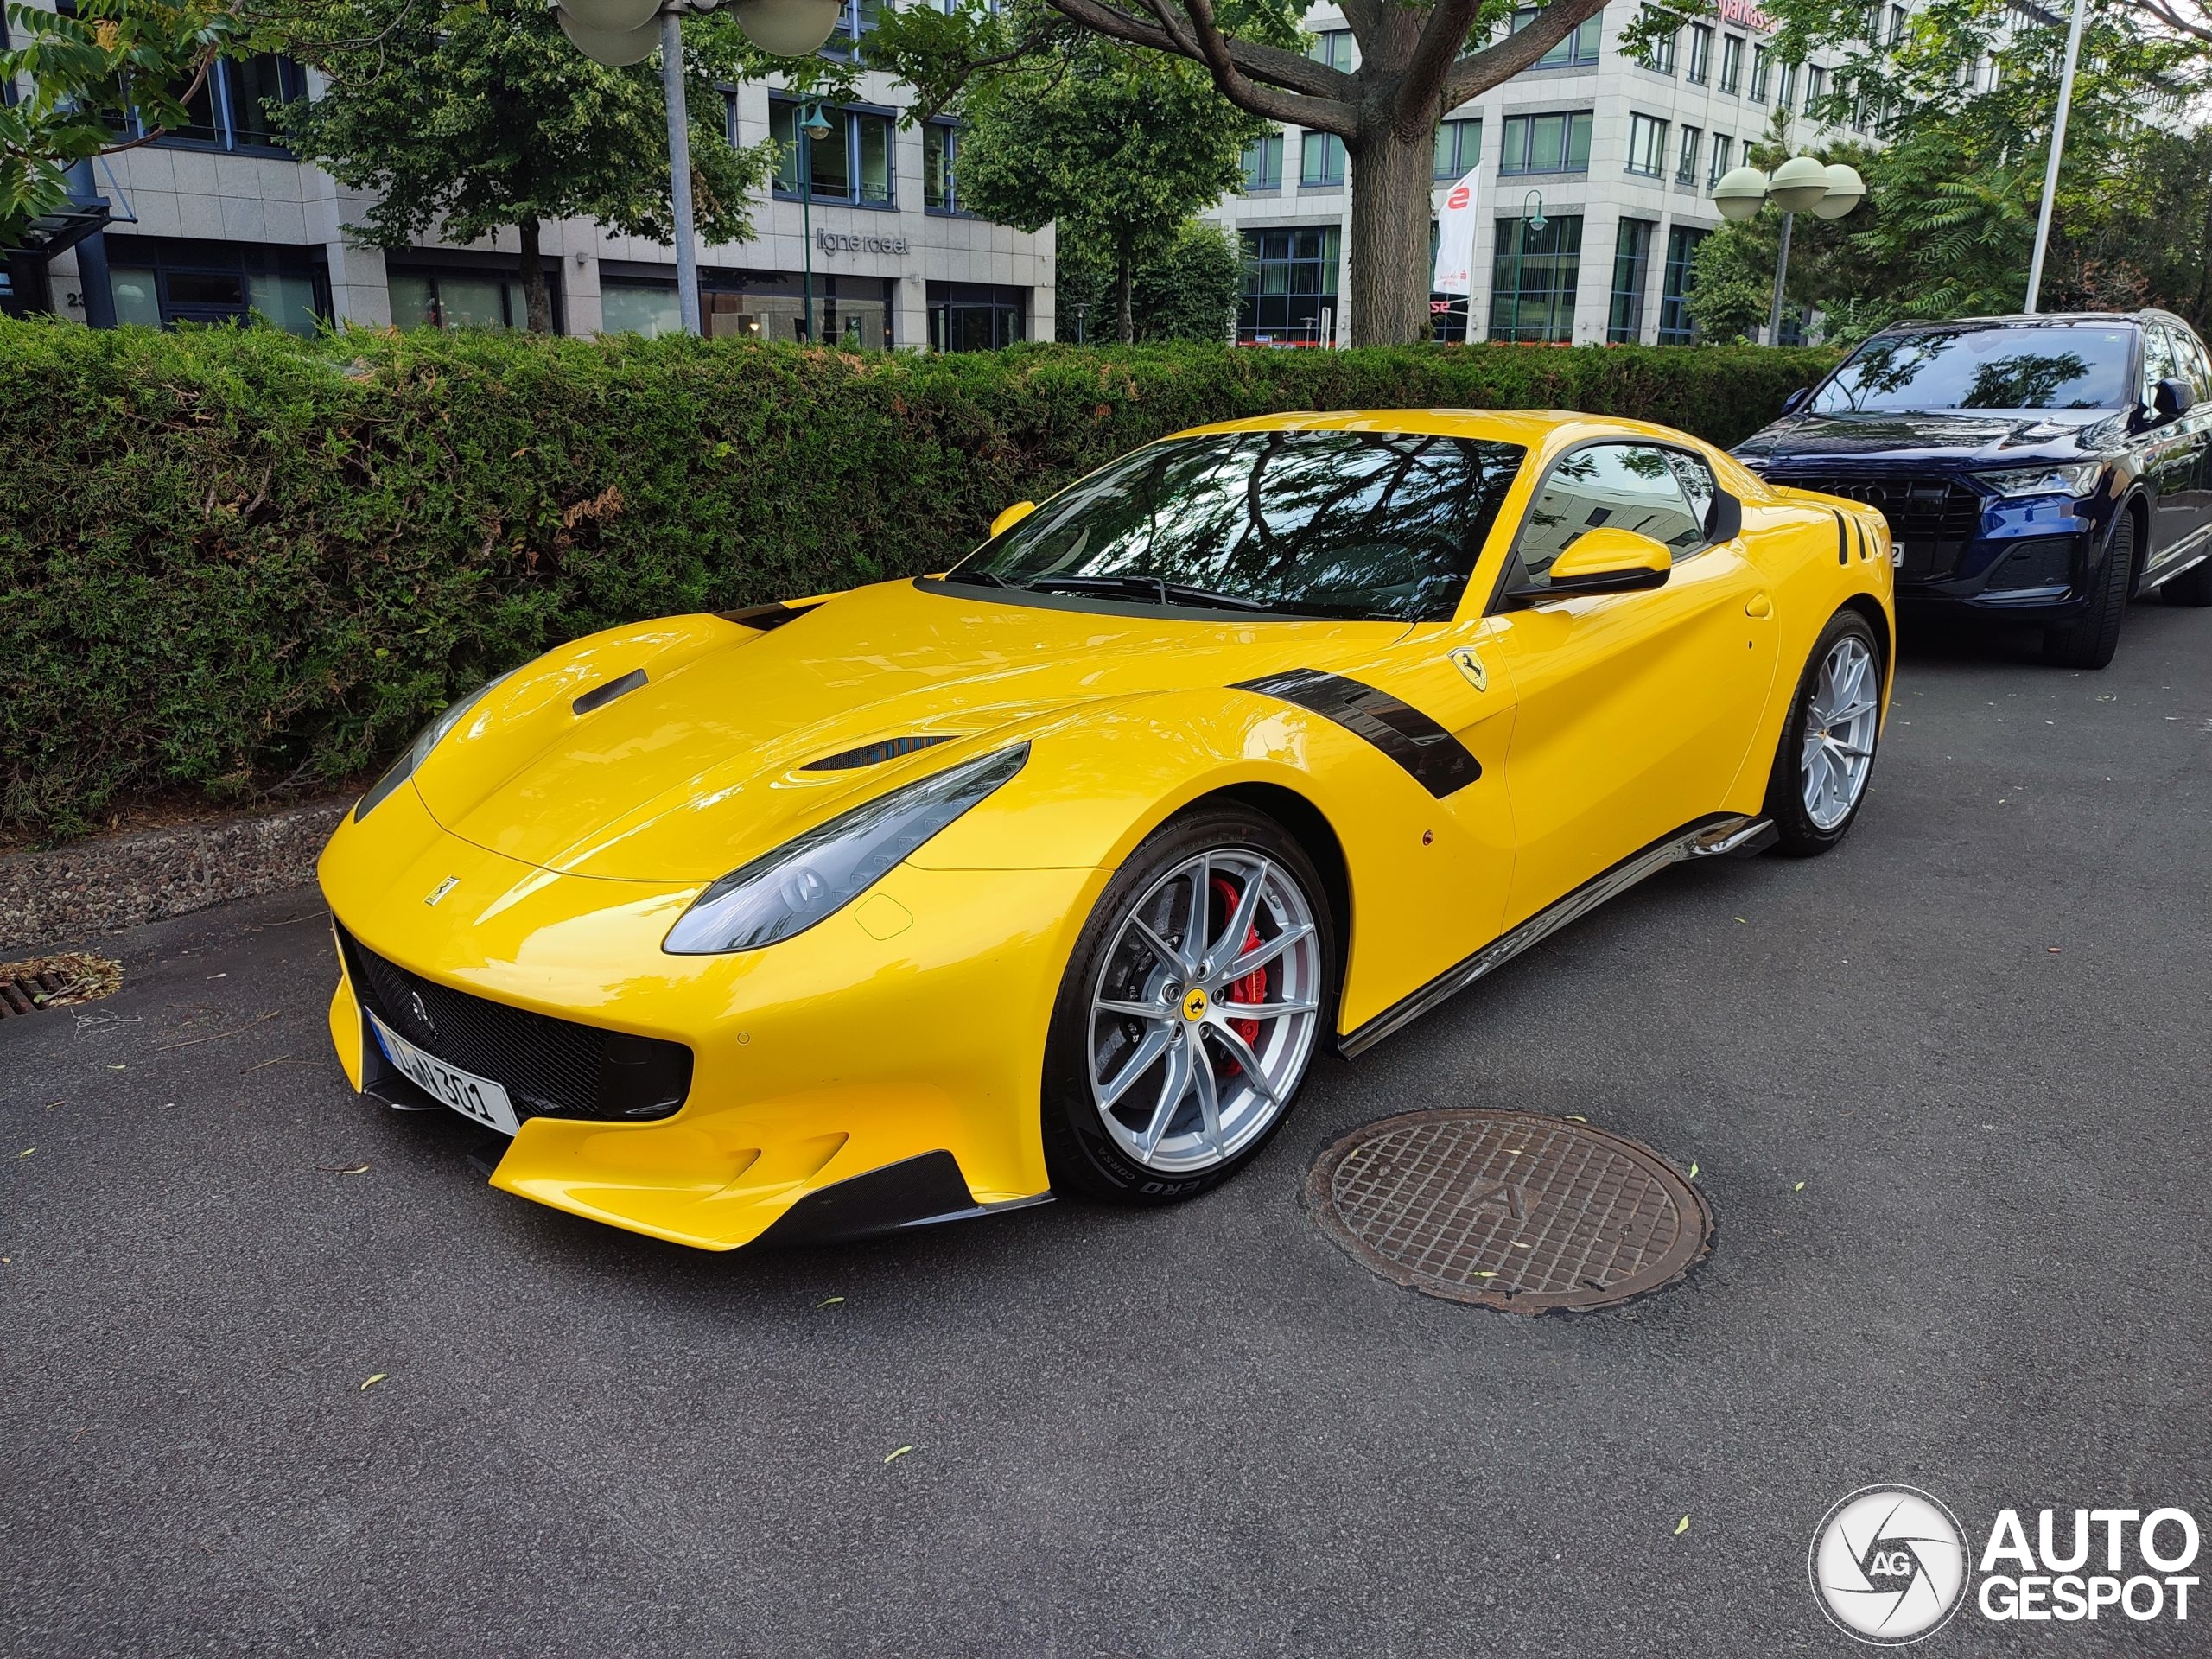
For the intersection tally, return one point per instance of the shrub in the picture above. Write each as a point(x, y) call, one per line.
point(232, 562)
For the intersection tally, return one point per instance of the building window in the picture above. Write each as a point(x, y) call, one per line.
point(1533, 279)
point(452, 295)
point(1545, 143)
point(1458, 148)
point(1334, 47)
point(1647, 146)
point(1686, 157)
point(1661, 58)
point(1290, 286)
point(1786, 93)
point(1700, 67)
point(856, 20)
point(1578, 51)
point(1676, 327)
point(852, 165)
point(977, 316)
point(161, 281)
point(940, 150)
point(1320, 160)
point(1897, 24)
point(1263, 163)
point(1631, 275)
point(231, 109)
point(1722, 144)
point(1732, 64)
point(1816, 90)
point(1762, 72)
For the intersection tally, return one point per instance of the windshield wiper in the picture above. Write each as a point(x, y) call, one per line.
point(1152, 587)
point(980, 577)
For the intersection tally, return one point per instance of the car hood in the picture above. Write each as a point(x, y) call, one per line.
point(1961, 436)
point(712, 761)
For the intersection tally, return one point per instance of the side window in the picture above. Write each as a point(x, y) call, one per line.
point(1696, 481)
point(2196, 367)
point(1615, 486)
point(2158, 360)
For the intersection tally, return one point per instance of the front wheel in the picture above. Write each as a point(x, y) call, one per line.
point(2090, 639)
point(1828, 743)
point(1189, 1011)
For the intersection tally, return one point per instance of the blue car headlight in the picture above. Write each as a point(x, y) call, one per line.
point(425, 740)
point(2075, 478)
point(813, 875)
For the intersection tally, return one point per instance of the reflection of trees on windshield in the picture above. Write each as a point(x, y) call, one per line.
point(1883, 369)
point(1327, 523)
point(2026, 381)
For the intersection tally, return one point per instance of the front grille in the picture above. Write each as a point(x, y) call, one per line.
point(1932, 519)
point(550, 1068)
point(2039, 561)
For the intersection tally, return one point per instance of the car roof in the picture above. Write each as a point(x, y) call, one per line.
point(1531, 429)
point(2033, 320)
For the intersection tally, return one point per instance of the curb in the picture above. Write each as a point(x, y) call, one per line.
point(109, 883)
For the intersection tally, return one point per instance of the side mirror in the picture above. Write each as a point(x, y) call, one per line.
point(1796, 400)
point(2173, 398)
point(1013, 516)
point(1603, 562)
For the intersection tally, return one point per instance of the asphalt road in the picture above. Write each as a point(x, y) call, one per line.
point(1977, 1034)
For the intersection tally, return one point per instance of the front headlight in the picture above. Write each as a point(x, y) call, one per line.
point(2070, 478)
point(425, 740)
point(814, 875)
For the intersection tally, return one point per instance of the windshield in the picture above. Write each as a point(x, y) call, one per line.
point(1385, 524)
point(2084, 366)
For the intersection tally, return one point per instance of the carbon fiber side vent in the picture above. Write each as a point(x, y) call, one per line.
point(872, 754)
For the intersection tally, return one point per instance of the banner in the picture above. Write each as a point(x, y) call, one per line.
point(1455, 241)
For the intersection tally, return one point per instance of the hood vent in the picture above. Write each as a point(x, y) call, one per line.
point(599, 695)
point(872, 754)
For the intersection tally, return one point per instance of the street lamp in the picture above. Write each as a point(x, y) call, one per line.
point(1799, 185)
point(619, 33)
point(815, 126)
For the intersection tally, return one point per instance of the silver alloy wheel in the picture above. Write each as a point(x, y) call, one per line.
point(1205, 1010)
point(1839, 723)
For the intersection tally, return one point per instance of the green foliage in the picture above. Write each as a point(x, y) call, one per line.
point(1188, 292)
point(76, 77)
point(275, 558)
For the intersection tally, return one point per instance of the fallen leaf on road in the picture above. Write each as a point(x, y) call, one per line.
point(115, 1068)
point(343, 1169)
point(1693, 1169)
point(830, 1301)
point(1682, 1526)
point(899, 1453)
point(373, 1381)
point(2054, 949)
point(1485, 1275)
point(27, 1152)
point(1741, 919)
point(1576, 1117)
point(1800, 1187)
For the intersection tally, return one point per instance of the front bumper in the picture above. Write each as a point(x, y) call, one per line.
point(909, 1025)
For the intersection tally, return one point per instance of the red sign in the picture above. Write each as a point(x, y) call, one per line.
point(1744, 12)
point(1459, 197)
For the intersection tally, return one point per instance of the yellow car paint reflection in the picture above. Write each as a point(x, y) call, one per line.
point(564, 834)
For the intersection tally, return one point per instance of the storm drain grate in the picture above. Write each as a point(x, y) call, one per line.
point(56, 982)
point(1509, 1210)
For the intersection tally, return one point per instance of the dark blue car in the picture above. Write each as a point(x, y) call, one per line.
point(2043, 469)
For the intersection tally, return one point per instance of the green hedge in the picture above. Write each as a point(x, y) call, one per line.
point(233, 562)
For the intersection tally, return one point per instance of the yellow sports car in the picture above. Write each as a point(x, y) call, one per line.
point(1052, 872)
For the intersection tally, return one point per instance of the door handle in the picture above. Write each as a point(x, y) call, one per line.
point(1759, 605)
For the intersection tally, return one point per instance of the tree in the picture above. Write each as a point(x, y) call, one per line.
point(80, 75)
point(483, 117)
point(1418, 59)
point(1189, 292)
point(1117, 146)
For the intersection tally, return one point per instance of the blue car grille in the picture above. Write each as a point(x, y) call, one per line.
point(1931, 519)
point(550, 1068)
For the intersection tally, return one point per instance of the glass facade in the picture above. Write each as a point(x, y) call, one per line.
point(1732, 64)
point(1676, 327)
point(1545, 143)
point(1263, 163)
point(1686, 155)
point(976, 317)
point(1533, 279)
point(452, 295)
point(851, 166)
point(159, 281)
point(1578, 51)
point(1699, 69)
point(1647, 146)
point(1458, 148)
point(1320, 159)
point(231, 109)
point(940, 149)
point(1631, 276)
point(1290, 280)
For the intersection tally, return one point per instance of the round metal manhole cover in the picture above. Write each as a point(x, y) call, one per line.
point(1509, 1210)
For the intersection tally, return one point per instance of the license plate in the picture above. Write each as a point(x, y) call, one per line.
point(472, 1096)
point(1897, 555)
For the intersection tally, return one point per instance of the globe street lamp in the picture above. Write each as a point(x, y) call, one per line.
point(619, 33)
point(813, 126)
point(1799, 185)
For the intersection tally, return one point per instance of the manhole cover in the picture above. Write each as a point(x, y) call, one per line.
point(56, 982)
point(1509, 1210)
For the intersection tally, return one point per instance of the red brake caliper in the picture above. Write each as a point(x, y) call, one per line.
point(1254, 986)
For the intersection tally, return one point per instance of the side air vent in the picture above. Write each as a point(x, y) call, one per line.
point(599, 695)
point(872, 754)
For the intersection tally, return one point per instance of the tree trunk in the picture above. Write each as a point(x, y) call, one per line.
point(1390, 184)
point(537, 293)
point(1124, 273)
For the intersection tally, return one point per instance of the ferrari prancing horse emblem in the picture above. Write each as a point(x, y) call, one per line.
point(1194, 1004)
point(1471, 665)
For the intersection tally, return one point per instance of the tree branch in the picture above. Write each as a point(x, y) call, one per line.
point(1480, 71)
point(1415, 108)
point(1268, 80)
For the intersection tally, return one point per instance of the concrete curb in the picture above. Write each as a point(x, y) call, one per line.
point(111, 882)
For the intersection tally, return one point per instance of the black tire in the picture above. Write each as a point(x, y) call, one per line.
point(2089, 639)
point(1080, 1155)
point(1799, 836)
point(2193, 586)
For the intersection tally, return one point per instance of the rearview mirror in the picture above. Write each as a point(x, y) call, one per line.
point(1013, 516)
point(1603, 562)
point(1796, 400)
point(2173, 398)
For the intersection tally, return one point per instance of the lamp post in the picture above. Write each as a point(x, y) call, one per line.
point(2057, 145)
point(807, 122)
point(1799, 185)
point(619, 33)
